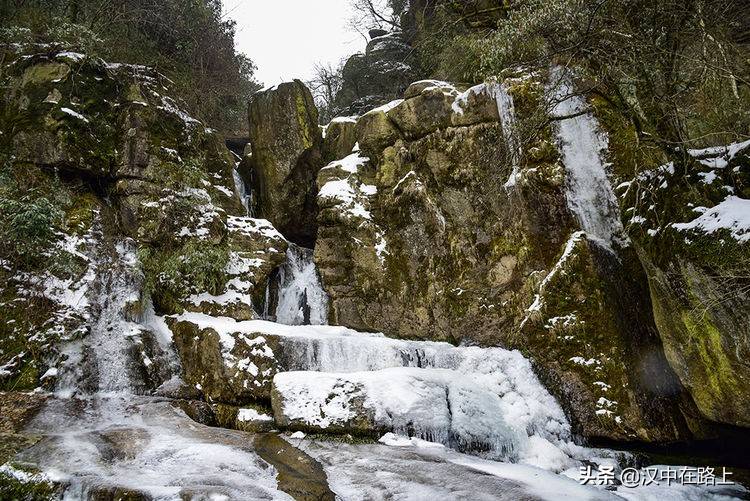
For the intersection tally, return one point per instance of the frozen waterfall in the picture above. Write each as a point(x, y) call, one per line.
point(243, 192)
point(301, 298)
point(507, 111)
point(589, 193)
point(121, 354)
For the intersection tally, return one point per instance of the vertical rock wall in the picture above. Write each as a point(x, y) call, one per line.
point(286, 157)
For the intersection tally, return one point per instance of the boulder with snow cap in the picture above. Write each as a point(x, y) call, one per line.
point(250, 418)
point(340, 138)
point(465, 411)
point(428, 106)
point(374, 130)
point(476, 105)
point(230, 368)
point(417, 88)
point(287, 154)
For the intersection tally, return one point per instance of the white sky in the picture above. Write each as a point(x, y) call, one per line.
point(285, 38)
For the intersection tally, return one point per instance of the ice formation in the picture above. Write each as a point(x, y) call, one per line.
point(589, 193)
point(302, 300)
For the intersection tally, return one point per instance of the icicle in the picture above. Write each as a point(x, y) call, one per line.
point(267, 301)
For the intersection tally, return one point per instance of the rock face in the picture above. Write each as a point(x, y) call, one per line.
point(339, 138)
point(118, 167)
point(17, 410)
point(437, 229)
point(422, 17)
point(691, 223)
point(287, 155)
point(379, 75)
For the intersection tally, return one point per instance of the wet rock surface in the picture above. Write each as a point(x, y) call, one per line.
point(299, 475)
point(287, 154)
point(695, 255)
point(435, 230)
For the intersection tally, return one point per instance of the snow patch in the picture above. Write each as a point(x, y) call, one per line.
point(733, 214)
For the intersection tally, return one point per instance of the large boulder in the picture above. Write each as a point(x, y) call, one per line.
point(287, 155)
point(339, 138)
point(376, 77)
point(691, 225)
point(374, 130)
point(228, 368)
point(421, 237)
point(428, 106)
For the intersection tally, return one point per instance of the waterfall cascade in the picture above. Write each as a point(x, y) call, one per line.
point(507, 111)
point(589, 193)
point(301, 298)
point(104, 434)
point(113, 357)
point(243, 192)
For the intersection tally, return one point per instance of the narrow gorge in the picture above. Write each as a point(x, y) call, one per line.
point(451, 290)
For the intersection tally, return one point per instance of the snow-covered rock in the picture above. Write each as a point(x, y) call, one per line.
point(434, 404)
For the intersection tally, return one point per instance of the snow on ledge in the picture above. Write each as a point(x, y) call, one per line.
point(732, 214)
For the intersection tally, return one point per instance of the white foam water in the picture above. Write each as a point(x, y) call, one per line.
point(102, 436)
point(301, 298)
point(245, 195)
point(103, 360)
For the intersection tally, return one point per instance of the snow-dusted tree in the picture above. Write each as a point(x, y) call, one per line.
point(673, 67)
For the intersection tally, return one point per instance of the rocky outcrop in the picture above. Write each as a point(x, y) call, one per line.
point(107, 154)
point(425, 17)
point(339, 138)
point(377, 76)
point(690, 221)
point(430, 232)
point(287, 154)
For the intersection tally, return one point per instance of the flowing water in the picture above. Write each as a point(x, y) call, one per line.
point(301, 298)
point(245, 195)
point(109, 438)
point(99, 362)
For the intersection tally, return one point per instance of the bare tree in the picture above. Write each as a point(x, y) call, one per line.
point(324, 86)
point(376, 14)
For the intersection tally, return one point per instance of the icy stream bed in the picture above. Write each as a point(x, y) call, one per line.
point(139, 444)
point(403, 468)
point(105, 436)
